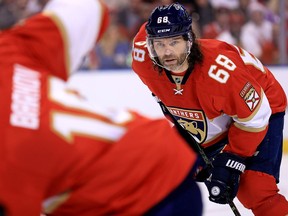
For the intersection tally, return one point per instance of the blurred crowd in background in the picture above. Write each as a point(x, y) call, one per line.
point(252, 24)
point(259, 26)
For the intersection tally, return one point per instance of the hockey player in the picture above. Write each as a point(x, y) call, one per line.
point(61, 155)
point(225, 98)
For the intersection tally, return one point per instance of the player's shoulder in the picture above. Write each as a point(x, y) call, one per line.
point(228, 56)
point(213, 48)
point(225, 56)
point(141, 34)
point(220, 61)
point(139, 41)
point(141, 62)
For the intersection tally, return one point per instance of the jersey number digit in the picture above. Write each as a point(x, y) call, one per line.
point(67, 124)
point(221, 75)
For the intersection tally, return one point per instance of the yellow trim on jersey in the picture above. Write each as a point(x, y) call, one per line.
point(285, 146)
point(54, 202)
point(249, 129)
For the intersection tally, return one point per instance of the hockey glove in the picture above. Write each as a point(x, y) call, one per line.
point(202, 174)
point(223, 181)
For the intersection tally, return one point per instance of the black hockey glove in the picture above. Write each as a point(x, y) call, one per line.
point(202, 174)
point(223, 181)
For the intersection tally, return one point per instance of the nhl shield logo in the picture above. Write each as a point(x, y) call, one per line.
point(194, 121)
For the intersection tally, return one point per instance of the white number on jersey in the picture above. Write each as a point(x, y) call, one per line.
point(221, 75)
point(139, 54)
point(67, 124)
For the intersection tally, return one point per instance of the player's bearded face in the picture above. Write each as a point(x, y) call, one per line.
point(172, 53)
point(173, 62)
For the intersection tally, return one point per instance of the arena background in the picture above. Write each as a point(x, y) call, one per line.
point(123, 89)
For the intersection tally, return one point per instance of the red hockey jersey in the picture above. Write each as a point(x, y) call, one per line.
point(64, 155)
point(231, 92)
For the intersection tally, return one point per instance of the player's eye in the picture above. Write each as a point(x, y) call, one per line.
point(158, 45)
point(174, 42)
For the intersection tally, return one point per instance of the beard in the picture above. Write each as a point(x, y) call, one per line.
point(172, 62)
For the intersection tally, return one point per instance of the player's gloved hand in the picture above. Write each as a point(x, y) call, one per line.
point(223, 181)
point(202, 173)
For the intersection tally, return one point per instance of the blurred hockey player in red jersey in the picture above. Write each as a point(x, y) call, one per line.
point(226, 99)
point(62, 155)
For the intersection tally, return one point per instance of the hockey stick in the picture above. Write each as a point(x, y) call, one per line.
point(195, 146)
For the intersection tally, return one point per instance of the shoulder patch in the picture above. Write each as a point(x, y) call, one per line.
point(250, 96)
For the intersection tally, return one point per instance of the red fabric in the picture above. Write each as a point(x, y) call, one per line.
point(258, 192)
point(211, 30)
point(53, 142)
point(44, 48)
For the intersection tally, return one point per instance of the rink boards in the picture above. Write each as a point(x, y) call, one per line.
point(123, 89)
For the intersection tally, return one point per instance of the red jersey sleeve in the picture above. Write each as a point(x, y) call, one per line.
point(40, 45)
point(231, 89)
point(80, 26)
point(58, 39)
point(141, 61)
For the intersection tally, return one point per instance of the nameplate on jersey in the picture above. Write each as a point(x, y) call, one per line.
point(25, 98)
point(194, 121)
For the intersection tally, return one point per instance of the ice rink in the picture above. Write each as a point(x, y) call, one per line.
point(212, 209)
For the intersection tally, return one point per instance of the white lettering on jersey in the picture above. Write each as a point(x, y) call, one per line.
point(191, 114)
point(25, 98)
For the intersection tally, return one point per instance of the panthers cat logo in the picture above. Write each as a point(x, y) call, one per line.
point(192, 128)
point(194, 121)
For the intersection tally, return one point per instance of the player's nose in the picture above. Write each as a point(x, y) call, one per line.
point(168, 50)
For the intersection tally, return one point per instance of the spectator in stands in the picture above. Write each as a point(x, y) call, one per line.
point(11, 12)
point(221, 22)
point(131, 16)
point(236, 21)
point(243, 6)
point(257, 34)
point(112, 52)
point(220, 27)
point(113, 49)
point(205, 12)
point(226, 14)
